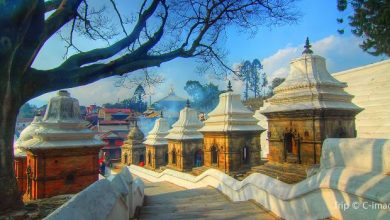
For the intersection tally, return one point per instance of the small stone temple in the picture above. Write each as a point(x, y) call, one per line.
point(62, 156)
point(231, 135)
point(157, 145)
point(20, 156)
point(185, 144)
point(309, 106)
point(133, 150)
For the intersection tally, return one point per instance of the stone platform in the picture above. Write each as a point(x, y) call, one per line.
point(165, 200)
point(285, 172)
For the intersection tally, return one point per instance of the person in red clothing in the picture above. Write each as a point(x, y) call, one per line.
point(141, 164)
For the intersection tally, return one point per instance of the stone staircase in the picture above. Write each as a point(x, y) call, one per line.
point(285, 172)
point(292, 158)
point(198, 170)
point(164, 200)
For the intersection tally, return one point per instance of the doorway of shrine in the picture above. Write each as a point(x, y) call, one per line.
point(198, 158)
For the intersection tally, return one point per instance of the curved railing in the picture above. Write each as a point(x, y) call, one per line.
point(349, 184)
point(114, 198)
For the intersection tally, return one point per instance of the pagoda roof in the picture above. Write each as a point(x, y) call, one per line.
point(117, 110)
point(172, 97)
point(113, 122)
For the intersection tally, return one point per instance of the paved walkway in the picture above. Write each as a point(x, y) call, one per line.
point(167, 201)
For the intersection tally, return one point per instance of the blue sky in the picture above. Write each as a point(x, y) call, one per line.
point(273, 47)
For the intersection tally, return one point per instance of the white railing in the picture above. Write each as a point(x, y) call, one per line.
point(352, 183)
point(114, 198)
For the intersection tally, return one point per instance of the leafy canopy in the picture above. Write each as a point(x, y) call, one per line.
point(371, 21)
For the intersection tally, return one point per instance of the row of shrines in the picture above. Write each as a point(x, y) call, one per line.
point(57, 153)
point(308, 107)
point(228, 140)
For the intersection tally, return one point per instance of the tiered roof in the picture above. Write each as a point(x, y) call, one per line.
point(62, 126)
point(186, 127)
point(230, 115)
point(157, 135)
point(310, 86)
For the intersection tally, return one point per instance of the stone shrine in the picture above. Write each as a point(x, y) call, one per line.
point(185, 147)
point(231, 135)
point(20, 156)
point(62, 156)
point(133, 150)
point(157, 145)
point(309, 106)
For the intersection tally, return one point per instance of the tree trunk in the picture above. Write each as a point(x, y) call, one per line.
point(10, 197)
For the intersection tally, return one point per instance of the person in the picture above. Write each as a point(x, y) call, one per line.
point(103, 168)
point(141, 164)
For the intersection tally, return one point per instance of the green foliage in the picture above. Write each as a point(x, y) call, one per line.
point(370, 20)
point(204, 97)
point(275, 83)
point(255, 80)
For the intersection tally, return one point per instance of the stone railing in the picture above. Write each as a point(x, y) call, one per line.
point(114, 198)
point(353, 182)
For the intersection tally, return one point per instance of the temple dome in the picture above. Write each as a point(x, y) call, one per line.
point(157, 135)
point(230, 115)
point(136, 134)
point(62, 127)
point(186, 127)
point(309, 86)
point(25, 135)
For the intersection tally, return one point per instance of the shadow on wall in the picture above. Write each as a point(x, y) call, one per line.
point(372, 158)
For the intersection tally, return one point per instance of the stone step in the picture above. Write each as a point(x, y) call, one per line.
point(218, 214)
point(167, 201)
point(203, 205)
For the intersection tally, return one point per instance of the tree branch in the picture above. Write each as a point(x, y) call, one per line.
point(52, 5)
point(84, 58)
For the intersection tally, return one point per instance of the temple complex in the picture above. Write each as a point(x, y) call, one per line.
point(157, 145)
point(231, 135)
point(133, 150)
point(185, 144)
point(309, 106)
point(62, 156)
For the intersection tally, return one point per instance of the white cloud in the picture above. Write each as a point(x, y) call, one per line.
point(340, 52)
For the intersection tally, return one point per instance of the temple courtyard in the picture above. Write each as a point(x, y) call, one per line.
point(307, 162)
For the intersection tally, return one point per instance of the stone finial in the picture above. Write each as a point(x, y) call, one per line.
point(307, 47)
point(63, 108)
point(230, 87)
point(188, 104)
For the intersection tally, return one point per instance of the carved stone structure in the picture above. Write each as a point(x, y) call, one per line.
point(185, 147)
point(62, 156)
point(133, 150)
point(231, 135)
point(20, 156)
point(309, 106)
point(157, 145)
